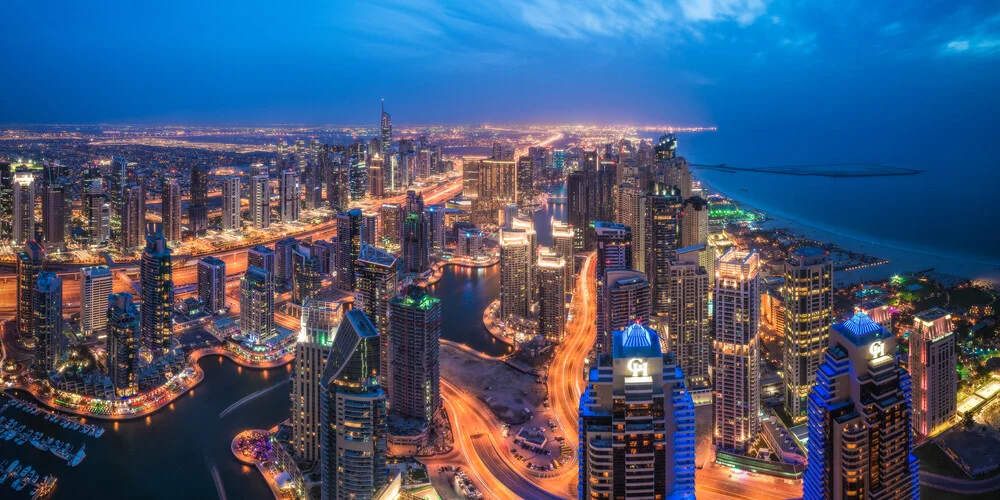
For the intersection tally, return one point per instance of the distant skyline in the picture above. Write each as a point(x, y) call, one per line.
point(725, 63)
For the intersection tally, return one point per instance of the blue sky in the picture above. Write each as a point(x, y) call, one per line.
point(685, 62)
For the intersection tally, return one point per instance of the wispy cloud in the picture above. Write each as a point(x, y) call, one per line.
point(979, 39)
point(742, 11)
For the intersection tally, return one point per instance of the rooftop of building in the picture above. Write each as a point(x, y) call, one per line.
point(375, 255)
point(213, 261)
point(625, 277)
point(601, 227)
point(636, 340)
point(513, 237)
point(861, 330)
point(931, 315)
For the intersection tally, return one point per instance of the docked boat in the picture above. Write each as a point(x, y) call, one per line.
point(80, 455)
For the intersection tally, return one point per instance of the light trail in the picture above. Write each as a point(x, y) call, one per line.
point(251, 397)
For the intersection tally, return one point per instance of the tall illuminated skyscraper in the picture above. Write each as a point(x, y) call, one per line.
point(562, 244)
point(120, 176)
point(307, 274)
point(319, 323)
point(57, 215)
point(626, 300)
point(386, 133)
point(737, 351)
point(98, 214)
point(262, 257)
point(808, 298)
point(376, 282)
point(232, 219)
point(47, 304)
point(551, 296)
point(515, 261)
point(662, 206)
point(6, 200)
point(354, 414)
point(133, 219)
point(212, 284)
point(376, 175)
point(260, 201)
point(24, 207)
point(123, 344)
point(29, 265)
point(436, 215)
point(687, 313)
point(631, 212)
point(257, 305)
point(860, 440)
point(156, 281)
point(170, 211)
point(290, 202)
point(614, 247)
point(96, 284)
point(416, 243)
point(414, 346)
point(637, 423)
point(578, 208)
point(284, 262)
point(391, 218)
point(198, 208)
point(694, 222)
point(348, 247)
point(932, 362)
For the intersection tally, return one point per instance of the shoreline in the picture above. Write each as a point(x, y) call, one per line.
point(901, 259)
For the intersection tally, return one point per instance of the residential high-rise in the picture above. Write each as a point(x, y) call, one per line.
point(337, 185)
point(694, 222)
point(284, 262)
point(614, 247)
point(436, 215)
point(470, 177)
point(123, 344)
point(687, 313)
point(98, 213)
point(171, 209)
point(631, 212)
point(665, 147)
point(497, 188)
point(260, 201)
point(470, 243)
point(625, 300)
point(290, 202)
point(515, 285)
point(29, 265)
point(578, 208)
point(198, 208)
point(525, 182)
point(157, 284)
point(376, 176)
point(6, 200)
point(349, 246)
point(257, 305)
point(385, 137)
point(562, 244)
point(96, 284)
point(637, 423)
point(319, 323)
point(376, 281)
point(416, 243)
point(662, 206)
point(932, 362)
point(354, 421)
point(860, 440)
point(808, 298)
point(414, 333)
point(212, 284)
point(262, 257)
point(133, 219)
point(357, 178)
point(391, 218)
point(231, 216)
point(24, 207)
point(551, 296)
point(370, 228)
point(737, 351)
point(307, 273)
point(47, 305)
point(120, 176)
point(57, 215)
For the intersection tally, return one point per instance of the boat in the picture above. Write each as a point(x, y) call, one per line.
point(80, 455)
point(41, 445)
point(99, 432)
point(61, 453)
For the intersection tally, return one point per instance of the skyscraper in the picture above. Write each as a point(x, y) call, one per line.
point(319, 324)
point(198, 209)
point(120, 177)
point(562, 245)
point(470, 177)
point(860, 440)
point(24, 207)
point(376, 175)
point(262, 257)
point(354, 421)
point(626, 300)
point(391, 217)
point(614, 247)
point(687, 313)
point(98, 213)
point(515, 285)
point(416, 243)
point(133, 219)
point(123, 344)
point(737, 350)
point(631, 212)
point(171, 209)
point(808, 298)
point(932, 362)
point(386, 133)
point(231, 216)
point(257, 305)
point(525, 182)
point(290, 201)
point(29, 265)
point(637, 423)
point(212, 284)
point(694, 222)
point(260, 201)
point(357, 178)
point(307, 275)
point(662, 206)
point(156, 281)
point(349, 246)
point(375, 284)
point(96, 284)
point(6, 200)
point(284, 262)
point(47, 305)
point(436, 215)
point(551, 296)
point(415, 330)
point(337, 185)
point(57, 212)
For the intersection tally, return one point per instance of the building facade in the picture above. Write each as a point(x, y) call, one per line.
point(319, 324)
point(808, 298)
point(212, 284)
point(415, 332)
point(257, 305)
point(96, 284)
point(932, 362)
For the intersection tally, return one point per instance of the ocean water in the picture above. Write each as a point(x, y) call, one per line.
point(946, 217)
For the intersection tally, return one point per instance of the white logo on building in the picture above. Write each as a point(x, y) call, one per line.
point(638, 367)
point(877, 349)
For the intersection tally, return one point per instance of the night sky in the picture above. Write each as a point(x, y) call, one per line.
point(688, 62)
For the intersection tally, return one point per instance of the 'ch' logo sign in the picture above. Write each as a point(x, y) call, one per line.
point(638, 367)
